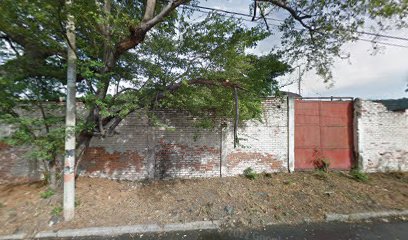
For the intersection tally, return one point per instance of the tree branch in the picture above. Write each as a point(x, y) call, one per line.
point(149, 12)
point(138, 33)
point(292, 11)
point(7, 39)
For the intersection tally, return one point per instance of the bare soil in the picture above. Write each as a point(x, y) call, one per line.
point(237, 201)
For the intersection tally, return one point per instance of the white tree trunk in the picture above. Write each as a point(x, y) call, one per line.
point(69, 161)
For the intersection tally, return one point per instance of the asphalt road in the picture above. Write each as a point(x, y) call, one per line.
point(324, 231)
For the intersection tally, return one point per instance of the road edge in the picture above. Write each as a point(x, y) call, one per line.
point(199, 225)
point(335, 217)
point(119, 230)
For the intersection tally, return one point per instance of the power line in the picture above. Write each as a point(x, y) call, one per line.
point(382, 35)
point(230, 12)
point(383, 43)
point(243, 19)
point(280, 20)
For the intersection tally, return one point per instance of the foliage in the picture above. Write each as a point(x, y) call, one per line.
point(313, 32)
point(358, 175)
point(47, 194)
point(320, 162)
point(250, 173)
point(56, 211)
point(321, 174)
point(182, 64)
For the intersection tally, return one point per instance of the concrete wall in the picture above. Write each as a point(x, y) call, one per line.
point(381, 137)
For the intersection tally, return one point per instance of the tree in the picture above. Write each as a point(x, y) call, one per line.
point(313, 32)
point(182, 64)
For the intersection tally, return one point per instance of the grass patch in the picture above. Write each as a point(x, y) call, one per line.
point(250, 174)
point(56, 211)
point(321, 174)
point(322, 164)
point(47, 194)
point(358, 175)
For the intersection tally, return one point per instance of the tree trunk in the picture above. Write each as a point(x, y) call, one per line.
point(53, 175)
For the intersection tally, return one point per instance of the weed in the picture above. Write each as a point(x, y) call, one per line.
point(322, 164)
point(77, 203)
point(56, 211)
point(1, 205)
point(47, 194)
point(358, 175)
point(321, 174)
point(250, 173)
point(267, 175)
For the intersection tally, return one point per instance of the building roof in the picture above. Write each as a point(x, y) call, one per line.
point(394, 104)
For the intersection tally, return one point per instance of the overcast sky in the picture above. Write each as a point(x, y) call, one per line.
point(365, 75)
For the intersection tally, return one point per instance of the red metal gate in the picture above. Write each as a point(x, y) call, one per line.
point(323, 131)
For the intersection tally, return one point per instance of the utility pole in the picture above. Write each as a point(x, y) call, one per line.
point(69, 160)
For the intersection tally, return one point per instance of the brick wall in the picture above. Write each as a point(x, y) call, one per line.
point(174, 147)
point(16, 166)
point(178, 149)
point(263, 145)
point(381, 137)
point(15, 162)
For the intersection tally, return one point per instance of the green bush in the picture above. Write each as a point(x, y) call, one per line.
point(56, 211)
point(47, 194)
point(250, 173)
point(358, 175)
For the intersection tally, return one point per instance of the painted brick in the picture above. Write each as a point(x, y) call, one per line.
point(382, 137)
point(263, 145)
point(176, 148)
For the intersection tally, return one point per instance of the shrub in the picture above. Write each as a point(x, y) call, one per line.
point(358, 175)
point(250, 173)
point(47, 194)
point(322, 164)
point(56, 211)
